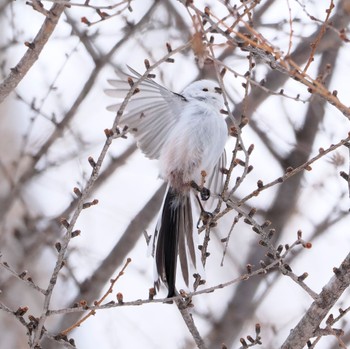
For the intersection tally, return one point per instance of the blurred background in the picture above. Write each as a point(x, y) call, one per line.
point(55, 119)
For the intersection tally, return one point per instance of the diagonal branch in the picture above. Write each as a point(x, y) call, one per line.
point(32, 54)
point(320, 307)
point(188, 319)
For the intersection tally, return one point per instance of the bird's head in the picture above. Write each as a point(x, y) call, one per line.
point(205, 90)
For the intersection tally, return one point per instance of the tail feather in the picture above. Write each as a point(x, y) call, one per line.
point(186, 245)
point(167, 244)
point(174, 238)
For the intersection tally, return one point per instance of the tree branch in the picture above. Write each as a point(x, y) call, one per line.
point(32, 54)
point(319, 308)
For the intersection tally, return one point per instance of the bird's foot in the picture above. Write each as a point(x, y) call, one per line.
point(203, 191)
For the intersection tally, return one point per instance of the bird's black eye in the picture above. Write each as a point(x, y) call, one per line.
point(205, 90)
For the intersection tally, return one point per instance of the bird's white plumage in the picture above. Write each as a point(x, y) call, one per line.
point(176, 128)
point(198, 138)
point(187, 133)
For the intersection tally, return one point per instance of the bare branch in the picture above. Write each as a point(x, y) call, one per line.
point(32, 54)
point(318, 310)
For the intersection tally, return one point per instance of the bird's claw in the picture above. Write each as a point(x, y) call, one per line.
point(205, 194)
point(203, 191)
point(205, 217)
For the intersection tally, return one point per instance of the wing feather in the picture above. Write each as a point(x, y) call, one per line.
point(151, 113)
point(215, 183)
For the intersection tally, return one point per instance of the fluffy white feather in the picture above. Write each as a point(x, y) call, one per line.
point(187, 133)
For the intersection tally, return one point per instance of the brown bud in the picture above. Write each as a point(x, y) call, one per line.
point(120, 298)
point(85, 21)
point(280, 248)
point(287, 267)
point(330, 320)
point(64, 222)
point(23, 274)
point(250, 149)
point(75, 233)
point(257, 329)
point(307, 245)
point(266, 224)
point(336, 271)
point(152, 292)
point(77, 191)
point(270, 255)
point(244, 343)
point(169, 47)
point(30, 45)
point(252, 212)
point(21, 311)
point(108, 132)
point(271, 233)
point(91, 161)
point(147, 65)
point(83, 303)
point(130, 82)
point(58, 246)
point(250, 339)
point(303, 276)
point(299, 234)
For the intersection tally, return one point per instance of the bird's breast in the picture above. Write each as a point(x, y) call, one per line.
point(193, 146)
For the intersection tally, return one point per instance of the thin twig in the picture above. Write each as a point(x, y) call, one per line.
point(99, 302)
point(319, 37)
point(22, 276)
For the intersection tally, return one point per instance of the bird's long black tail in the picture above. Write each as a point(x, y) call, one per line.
point(174, 238)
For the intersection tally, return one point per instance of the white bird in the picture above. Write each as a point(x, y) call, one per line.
point(187, 134)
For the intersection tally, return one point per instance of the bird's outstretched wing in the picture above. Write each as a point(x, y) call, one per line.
point(150, 114)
